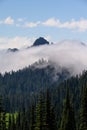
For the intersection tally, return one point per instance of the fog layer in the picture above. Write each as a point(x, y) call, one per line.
point(68, 54)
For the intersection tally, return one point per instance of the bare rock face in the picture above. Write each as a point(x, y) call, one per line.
point(40, 41)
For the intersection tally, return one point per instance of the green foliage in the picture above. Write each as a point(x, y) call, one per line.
point(50, 113)
point(40, 114)
point(83, 110)
point(68, 119)
point(45, 116)
point(32, 117)
point(21, 87)
point(2, 115)
point(20, 91)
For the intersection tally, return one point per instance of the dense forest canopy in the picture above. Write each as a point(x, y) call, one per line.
point(21, 90)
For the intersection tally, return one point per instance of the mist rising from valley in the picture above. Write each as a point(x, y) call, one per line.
point(68, 54)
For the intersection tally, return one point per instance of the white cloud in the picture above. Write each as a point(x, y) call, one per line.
point(52, 22)
point(76, 25)
point(80, 25)
point(9, 20)
point(20, 22)
point(69, 54)
point(15, 42)
point(20, 19)
point(31, 24)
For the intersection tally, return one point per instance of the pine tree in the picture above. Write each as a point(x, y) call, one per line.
point(41, 114)
point(1, 113)
point(9, 122)
point(32, 117)
point(45, 116)
point(2, 116)
point(83, 110)
point(50, 114)
point(4, 120)
point(13, 127)
point(18, 122)
point(68, 119)
point(53, 123)
point(48, 109)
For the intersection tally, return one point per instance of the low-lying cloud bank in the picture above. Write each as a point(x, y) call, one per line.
point(68, 54)
point(6, 42)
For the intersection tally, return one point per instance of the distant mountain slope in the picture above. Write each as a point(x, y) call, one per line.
point(24, 84)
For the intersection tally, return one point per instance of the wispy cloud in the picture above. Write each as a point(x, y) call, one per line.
point(9, 21)
point(80, 25)
point(20, 19)
point(76, 25)
point(52, 22)
point(31, 24)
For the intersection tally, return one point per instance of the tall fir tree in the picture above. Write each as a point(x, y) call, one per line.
point(50, 114)
point(9, 122)
point(1, 110)
point(13, 126)
point(45, 115)
point(83, 110)
point(2, 115)
point(68, 118)
point(40, 123)
point(48, 109)
point(53, 123)
point(4, 120)
point(18, 121)
point(32, 117)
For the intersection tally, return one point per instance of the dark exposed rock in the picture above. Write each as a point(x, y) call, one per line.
point(12, 49)
point(40, 41)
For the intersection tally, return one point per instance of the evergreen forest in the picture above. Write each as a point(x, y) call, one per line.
point(31, 99)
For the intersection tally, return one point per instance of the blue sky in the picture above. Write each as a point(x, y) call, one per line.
point(21, 21)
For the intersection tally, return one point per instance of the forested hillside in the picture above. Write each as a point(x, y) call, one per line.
point(24, 85)
point(42, 99)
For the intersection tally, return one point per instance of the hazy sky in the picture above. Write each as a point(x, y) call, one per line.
point(21, 21)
